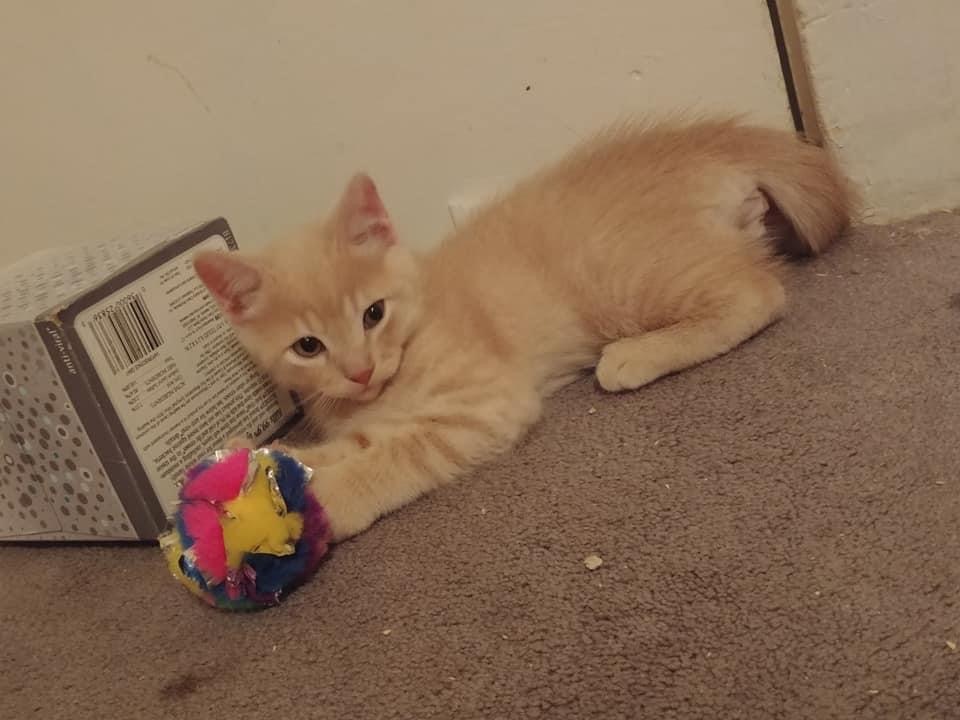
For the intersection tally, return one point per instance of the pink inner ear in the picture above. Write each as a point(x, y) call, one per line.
point(231, 281)
point(364, 213)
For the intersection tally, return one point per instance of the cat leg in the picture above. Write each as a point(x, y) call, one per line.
point(238, 442)
point(736, 312)
point(385, 466)
point(323, 454)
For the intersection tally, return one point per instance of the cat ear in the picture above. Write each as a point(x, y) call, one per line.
point(233, 281)
point(363, 216)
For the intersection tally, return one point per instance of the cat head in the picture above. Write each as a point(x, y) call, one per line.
point(327, 311)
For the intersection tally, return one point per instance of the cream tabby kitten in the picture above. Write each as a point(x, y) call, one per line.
point(642, 252)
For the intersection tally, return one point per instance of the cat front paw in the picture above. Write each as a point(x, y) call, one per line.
point(281, 446)
point(238, 442)
point(626, 365)
point(348, 511)
point(316, 456)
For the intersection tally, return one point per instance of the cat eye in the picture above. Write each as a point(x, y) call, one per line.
point(308, 347)
point(373, 314)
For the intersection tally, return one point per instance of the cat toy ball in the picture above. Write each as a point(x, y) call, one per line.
point(246, 529)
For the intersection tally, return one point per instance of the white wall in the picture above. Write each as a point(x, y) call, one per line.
point(126, 114)
point(886, 76)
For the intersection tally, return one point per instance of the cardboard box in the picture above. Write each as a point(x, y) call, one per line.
point(117, 373)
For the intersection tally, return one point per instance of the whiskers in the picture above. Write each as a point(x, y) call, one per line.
point(322, 404)
point(318, 408)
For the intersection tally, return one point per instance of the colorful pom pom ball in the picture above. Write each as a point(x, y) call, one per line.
point(246, 529)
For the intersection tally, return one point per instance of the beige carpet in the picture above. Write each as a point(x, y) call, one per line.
point(779, 529)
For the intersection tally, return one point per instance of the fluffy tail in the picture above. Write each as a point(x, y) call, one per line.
point(812, 201)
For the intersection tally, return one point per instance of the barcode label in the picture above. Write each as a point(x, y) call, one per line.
point(126, 332)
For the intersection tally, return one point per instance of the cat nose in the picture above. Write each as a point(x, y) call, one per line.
point(362, 377)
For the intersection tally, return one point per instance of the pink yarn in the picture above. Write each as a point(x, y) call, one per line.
point(220, 481)
point(200, 511)
point(201, 521)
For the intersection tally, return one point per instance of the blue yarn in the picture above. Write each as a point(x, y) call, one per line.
point(290, 480)
point(278, 573)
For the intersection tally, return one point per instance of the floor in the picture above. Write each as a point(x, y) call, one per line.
point(779, 533)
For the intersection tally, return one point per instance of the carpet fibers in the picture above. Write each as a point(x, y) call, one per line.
point(779, 532)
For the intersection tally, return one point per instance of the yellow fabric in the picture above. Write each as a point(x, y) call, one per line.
point(257, 520)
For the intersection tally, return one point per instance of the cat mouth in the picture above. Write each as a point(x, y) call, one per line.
point(370, 392)
point(373, 390)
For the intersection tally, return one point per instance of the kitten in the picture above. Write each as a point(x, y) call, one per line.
point(640, 253)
